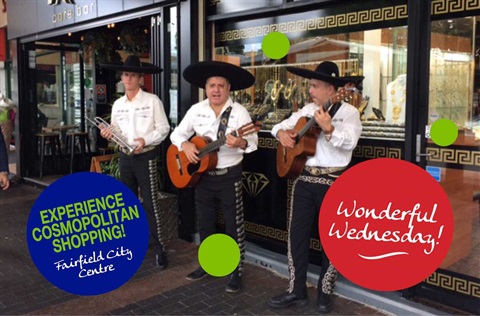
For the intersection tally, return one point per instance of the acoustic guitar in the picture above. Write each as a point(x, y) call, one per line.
point(185, 174)
point(291, 161)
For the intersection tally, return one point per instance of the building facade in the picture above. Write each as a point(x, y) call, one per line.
point(426, 51)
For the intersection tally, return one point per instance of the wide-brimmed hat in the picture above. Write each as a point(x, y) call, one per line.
point(326, 71)
point(133, 64)
point(198, 74)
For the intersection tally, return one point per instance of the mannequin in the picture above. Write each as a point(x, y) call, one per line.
point(396, 93)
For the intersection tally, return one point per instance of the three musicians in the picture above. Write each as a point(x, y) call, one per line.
point(216, 118)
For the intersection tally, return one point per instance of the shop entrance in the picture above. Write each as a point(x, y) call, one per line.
point(58, 84)
point(453, 95)
point(65, 84)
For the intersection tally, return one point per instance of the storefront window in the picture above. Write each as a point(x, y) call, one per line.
point(379, 55)
point(452, 71)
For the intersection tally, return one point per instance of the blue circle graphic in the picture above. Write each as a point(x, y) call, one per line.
point(87, 233)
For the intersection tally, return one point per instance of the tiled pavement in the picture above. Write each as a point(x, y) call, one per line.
point(23, 290)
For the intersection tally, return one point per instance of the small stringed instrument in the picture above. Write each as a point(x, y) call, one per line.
point(185, 174)
point(291, 161)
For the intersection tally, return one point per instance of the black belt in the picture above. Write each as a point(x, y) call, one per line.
point(221, 171)
point(316, 171)
point(144, 150)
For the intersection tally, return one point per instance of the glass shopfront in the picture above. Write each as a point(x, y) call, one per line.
point(60, 82)
point(371, 40)
point(453, 95)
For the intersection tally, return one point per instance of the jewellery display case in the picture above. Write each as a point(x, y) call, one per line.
point(451, 85)
point(277, 92)
point(378, 55)
point(382, 130)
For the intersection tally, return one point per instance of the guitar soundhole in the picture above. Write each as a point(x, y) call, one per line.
point(192, 168)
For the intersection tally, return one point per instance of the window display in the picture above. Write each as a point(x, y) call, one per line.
point(379, 55)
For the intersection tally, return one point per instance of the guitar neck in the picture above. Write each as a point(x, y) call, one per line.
point(215, 145)
point(312, 121)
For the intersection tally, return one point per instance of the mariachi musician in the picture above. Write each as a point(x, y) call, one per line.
point(216, 117)
point(340, 130)
point(138, 119)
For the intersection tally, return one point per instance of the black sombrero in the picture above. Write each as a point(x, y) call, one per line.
point(198, 74)
point(133, 64)
point(326, 71)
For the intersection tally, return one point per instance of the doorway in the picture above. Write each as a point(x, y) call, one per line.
point(63, 79)
point(454, 85)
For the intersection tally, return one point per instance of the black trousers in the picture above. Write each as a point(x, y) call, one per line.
point(225, 191)
point(308, 194)
point(140, 171)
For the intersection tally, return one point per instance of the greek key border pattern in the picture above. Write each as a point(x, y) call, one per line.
point(320, 23)
point(454, 156)
point(438, 7)
point(451, 6)
point(454, 284)
point(267, 142)
point(277, 234)
point(371, 152)
point(266, 231)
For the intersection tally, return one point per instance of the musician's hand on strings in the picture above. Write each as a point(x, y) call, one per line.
point(191, 151)
point(235, 142)
point(324, 120)
point(141, 144)
point(287, 138)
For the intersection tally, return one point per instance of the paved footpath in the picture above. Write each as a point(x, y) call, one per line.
point(23, 290)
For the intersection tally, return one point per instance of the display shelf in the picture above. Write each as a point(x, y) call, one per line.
point(382, 130)
point(277, 92)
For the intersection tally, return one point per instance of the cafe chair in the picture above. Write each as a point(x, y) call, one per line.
point(80, 138)
point(48, 144)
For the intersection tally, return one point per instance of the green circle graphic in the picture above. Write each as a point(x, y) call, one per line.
point(444, 132)
point(275, 45)
point(219, 255)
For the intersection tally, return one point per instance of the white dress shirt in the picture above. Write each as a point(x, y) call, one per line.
point(143, 116)
point(201, 120)
point(338, 151)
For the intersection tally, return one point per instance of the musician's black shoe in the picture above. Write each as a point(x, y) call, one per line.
point(324, 303)
point(287, 299)
point(234, 283)
point(161, 260)
point(197, 274)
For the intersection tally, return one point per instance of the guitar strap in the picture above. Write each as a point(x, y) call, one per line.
point(223, 123)
point(334, 108)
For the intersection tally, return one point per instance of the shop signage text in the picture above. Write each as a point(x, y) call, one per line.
point(55, 2)
point(68, 14)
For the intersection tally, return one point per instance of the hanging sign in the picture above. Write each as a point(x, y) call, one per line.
point(101, 93)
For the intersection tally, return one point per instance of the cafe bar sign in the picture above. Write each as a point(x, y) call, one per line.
point(46, 15)
point(69, 13)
